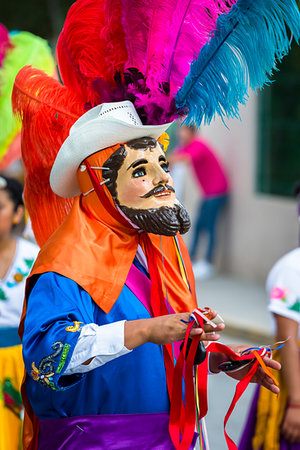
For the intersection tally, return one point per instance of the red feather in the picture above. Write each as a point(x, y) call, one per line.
point(91, 47)
point(114, 37)
point(48, 110)
point(80, 51)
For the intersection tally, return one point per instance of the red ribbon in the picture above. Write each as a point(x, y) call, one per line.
point(183, 416)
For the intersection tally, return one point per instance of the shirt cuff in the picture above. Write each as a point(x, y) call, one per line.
point(284, 311)
point(102, 343)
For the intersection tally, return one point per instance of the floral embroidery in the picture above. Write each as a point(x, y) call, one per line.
point(12, 397)
point(21, 274)
point(63, 358)
point(278, 294)
point(18, 277)
point(295, 306)
point(45, 370)
point(75, 327)
point(2, 295)
point(38, 376)
point(29, 262)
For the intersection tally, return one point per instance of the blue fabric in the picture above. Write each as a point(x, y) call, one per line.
point(9, 337)
point(132, 383)
point(208, 213)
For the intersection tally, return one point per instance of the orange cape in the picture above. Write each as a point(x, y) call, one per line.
point(96, 251)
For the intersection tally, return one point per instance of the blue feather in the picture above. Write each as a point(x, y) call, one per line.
point(248, 42)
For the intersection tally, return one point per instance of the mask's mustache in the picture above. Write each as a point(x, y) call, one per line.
point(158, 189)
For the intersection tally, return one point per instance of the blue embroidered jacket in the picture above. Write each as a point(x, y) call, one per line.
point(132, 383)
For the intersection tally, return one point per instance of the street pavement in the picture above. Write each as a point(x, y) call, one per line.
point(243, 306)
point(220, 394)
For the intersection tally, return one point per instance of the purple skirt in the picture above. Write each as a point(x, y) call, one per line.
point(107, 432)
point(248, 432)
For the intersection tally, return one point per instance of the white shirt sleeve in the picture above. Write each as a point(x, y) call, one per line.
point(283, 288)
point(102, 343)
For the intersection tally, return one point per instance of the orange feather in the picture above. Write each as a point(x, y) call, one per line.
point(48, 110)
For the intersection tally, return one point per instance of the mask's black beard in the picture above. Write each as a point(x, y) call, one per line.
point(165, 220)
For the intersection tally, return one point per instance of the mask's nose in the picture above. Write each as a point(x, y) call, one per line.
point(160, 177)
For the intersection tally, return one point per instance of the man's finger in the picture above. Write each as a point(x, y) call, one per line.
point(272, 363)
point(271, 386)
point(209, 328)
point(211, 337)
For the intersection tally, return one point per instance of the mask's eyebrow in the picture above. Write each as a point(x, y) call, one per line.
point(162, 158)
point(138, 162)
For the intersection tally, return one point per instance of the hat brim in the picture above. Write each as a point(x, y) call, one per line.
point(90, 138)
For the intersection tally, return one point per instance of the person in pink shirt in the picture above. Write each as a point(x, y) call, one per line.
point(214, 184)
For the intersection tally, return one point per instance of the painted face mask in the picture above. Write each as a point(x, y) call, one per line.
point(141, 186)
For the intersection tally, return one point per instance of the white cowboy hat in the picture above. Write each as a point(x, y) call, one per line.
point(101, 127)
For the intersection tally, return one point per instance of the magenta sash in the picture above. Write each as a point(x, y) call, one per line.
point(140, 286)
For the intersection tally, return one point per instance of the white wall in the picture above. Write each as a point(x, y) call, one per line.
point(257, 229)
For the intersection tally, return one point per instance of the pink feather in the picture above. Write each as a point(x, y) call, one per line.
point(188, 28)
point(136, 19)
point(5, 43)
point(158, 41)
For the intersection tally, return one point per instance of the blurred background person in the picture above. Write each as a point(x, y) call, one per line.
point(214, 185)
point(16, 259)
point(17, 49)
point(275, 424)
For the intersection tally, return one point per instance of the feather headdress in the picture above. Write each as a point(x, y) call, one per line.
point(174, 57)
point(48, 110)
point(195, 58)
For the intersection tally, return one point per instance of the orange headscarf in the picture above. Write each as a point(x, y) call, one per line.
point(96, 250)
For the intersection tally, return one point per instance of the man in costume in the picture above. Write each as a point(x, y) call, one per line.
point(90, 298)
point(110, 297)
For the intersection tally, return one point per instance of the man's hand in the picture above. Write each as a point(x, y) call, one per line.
point(291, 425)
point(165, 329)
point(260, 377)
point(172, 328)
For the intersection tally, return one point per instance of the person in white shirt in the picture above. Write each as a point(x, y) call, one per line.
point(276, 424)
point(16, 259)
